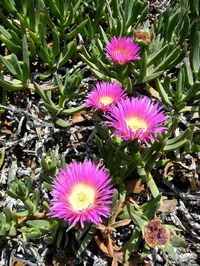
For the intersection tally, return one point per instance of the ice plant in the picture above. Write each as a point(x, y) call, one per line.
point(122, 50)
point(81, 193)
point(157, 234)
point(104, 95)
point(136, 118)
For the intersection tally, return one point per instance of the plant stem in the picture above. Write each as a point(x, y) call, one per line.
point(62, 101)
point(152, 185)
point(147, 178)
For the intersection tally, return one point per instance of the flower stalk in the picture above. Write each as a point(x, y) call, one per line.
point(152, 185)
point(146, 176)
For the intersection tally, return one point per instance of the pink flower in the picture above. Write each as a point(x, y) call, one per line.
point(104, 95)
point(136, 118)
point(81, 193)
point(122, 50)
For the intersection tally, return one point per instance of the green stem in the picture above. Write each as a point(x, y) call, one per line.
point(62, 101)
point(120, 73)
point(152, 185)
point(147, 178)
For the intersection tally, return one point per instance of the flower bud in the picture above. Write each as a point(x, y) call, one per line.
point(49, 163)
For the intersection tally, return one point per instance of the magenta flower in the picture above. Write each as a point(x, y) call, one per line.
point(122, 50)
point(81, 193)
point(104, 95)
point(136, 118)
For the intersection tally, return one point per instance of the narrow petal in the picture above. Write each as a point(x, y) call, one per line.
point(136, 118)
point(122, 50)
point(81, 193)
point(104, 95)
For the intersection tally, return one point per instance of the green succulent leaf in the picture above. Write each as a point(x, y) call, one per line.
point(195, 53)
point(185, 29)
point(150, 208)
point(36, 199)
point(26, 64)
point(173, 20)
point(9, 6)
point(143, 66)
point(163, 93)
point(132, 244)
point(183, 135)
point(176, 146)
point(9, 66)
point(10, 44)
point(168, 60)
point(77, 30)
point(67, 53)
point(188, 75)
point(136, 218)
point(56, 43)
point(180, 86)
point(172, 253)
point(194, 7)
point(193, 93)
point(87, 239)
point(61, 122)
point(158, 55)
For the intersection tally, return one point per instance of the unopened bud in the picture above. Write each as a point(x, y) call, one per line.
point(49, 162)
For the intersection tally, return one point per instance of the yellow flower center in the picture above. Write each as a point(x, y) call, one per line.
point(106, 100)
point(136, 123)
point(122, 51)
point(82, 197)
